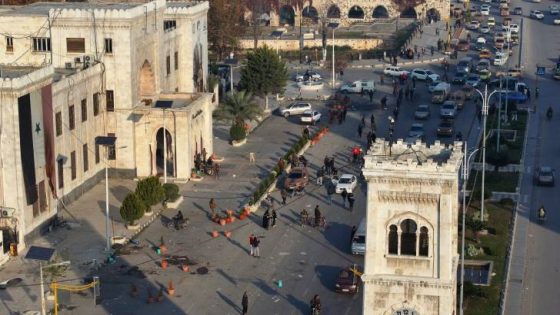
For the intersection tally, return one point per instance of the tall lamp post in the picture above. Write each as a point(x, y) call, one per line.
point(465, 177)
point(106, 141)
point(485, 100)
point(231, 62)
point(391, 129)
point(333, 26)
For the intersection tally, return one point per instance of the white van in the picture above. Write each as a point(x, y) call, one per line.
point(359, 240)
point(358, 87)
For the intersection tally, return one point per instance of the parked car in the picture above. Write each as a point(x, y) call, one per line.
point(518, 11)
point(491, 21)
point(348, 281)
point(445, 128)
point(473, 80)
point(536, 14)
point(358, 86)
point(297, 178)
point(422, 112)
point(459, 78)
point(394, 71)
point(310, 117)
point(485, 11)
point(423, 75)
point(346, 182)
point(514, 28)
point(416, 132)
point(544, 176)
point(308, 75)
point(448, 110)
point(473, 25)
point(484, 29)
point(463, 45)
point(296, 108)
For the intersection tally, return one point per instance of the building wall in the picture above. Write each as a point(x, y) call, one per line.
point(293, 44)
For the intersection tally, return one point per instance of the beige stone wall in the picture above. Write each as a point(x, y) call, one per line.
point(293, 44)
point(401, 187)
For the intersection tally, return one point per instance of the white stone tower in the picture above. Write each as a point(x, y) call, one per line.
point(412, 228)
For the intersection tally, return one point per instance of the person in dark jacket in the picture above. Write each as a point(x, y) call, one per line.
point(245, 303)
point(344, 194)
point(351, 200)
point(266, 219)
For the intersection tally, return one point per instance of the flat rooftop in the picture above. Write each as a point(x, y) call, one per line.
point(420, 153)
point(42, 8)
point(11, 72)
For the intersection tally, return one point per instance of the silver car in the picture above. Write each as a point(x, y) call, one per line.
point(416, 132)
point(448, 110)
point(422, 112)
point(296, 108)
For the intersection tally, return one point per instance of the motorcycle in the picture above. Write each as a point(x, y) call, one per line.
point(177, 224)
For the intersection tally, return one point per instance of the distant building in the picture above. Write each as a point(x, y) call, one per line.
point(412, 213)
point(70, 72)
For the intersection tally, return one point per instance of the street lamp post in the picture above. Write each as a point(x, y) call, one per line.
point(333, 26)
point(106, 141)
point(391, 129)
point(465, 173)
point(231, 74)
point(485, 99)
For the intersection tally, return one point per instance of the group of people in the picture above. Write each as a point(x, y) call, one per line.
point(338, 113)
point(269, 218)
point(318, 220)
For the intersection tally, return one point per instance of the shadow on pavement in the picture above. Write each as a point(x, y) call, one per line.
point(327, 275)
point(338, 235)
point(229, 301)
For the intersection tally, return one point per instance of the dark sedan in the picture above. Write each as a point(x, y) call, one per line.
point(348, 280)
point(297, 178)
point(544, 176)
point(445, 128)
point(459, 78)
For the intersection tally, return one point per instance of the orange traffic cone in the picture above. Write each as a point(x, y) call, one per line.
point(170, 288)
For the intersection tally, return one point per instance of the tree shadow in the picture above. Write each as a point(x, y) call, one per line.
point(327, 275)
point(267, 289)
point(338, 235)
point(229, 301)
point(300, 305)
point(226, 276)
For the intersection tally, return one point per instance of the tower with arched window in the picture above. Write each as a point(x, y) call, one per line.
point(411, 254)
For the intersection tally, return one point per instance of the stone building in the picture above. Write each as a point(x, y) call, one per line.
point(411, 254)
point(348, 12)
point(135, 71)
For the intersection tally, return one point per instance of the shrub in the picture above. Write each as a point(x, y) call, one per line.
point(150, 191)
point(496, 158)
point(171, 192)
point(237, 132)
point(132, 208)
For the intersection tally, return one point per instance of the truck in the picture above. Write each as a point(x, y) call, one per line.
point(358, 87)
point(441, 93)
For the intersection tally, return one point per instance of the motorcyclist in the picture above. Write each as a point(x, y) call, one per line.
point(178, 219)
point(317, 216)
point(303, 217)
point(549, 112)
point(542, 213)
point(315, 304)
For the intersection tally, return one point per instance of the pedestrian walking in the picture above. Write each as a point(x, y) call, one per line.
point(216, 171)
point(344, 194)
point(360, 130)
point(330, 191)
point(251, 244)
point(372, 121)
point(432, 50)
point(256, 243)
point(284, 195)
point(363, 120)
point(351, 200)
point(353, 233)
point(245, 303)
point(212, 205)
point(373, 137)
point(274, 217)
point(320, 174)
point(370, 93)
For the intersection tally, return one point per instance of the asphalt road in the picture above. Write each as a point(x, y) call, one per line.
point(534, 274)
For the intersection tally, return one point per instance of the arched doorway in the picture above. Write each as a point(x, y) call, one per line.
point(433, 15)
point(311, 13)
point(147, 84)
point(198, 74)
point(333, 12)
point(380, 12)
point(160, 152)
point(356, 12)
point(287, 15)
point(409, 13)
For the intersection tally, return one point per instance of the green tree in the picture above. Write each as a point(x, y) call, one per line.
point(132, 208)
point(150, 191)
point(263, 73)
point(238, 108)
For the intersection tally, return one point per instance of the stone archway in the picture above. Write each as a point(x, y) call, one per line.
point(287, 15)
point(310, 12)
point(356, 12)
point(147, 86)
point(333, 12)
point(433, 15)
point(160, 153)
point(380, 12)
point(409, 13)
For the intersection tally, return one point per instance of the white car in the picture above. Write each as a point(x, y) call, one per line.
point(310, 117)
point(485, 7)
point(423, 75)
point(473, 25)
point(346, 182)
point(481, 40)
point(394, 71)
point(296, 108)
point(491, 21)
point(484, 11)
point(554, 9)
point(536, 1)
point(556, 21)
point(314, 76)
point(486, 1)
point(484, 29)
point(536, 14)
point(514, 28)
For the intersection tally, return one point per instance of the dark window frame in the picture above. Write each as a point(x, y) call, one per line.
point(9, 44)
point(168, 64)
point(84, 108)
point(85, 157)
point(71, 117)
point(176, 57)
point(109, 46)
point(111, 150)
point(75, 45)
point(97, 154)
point(60, 173)
point(96, 104)
point(110, 100)
point(41, 44)
point(73, 170)
point(58, 123)
point(169, 25)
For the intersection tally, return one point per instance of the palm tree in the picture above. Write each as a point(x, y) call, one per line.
point(238, 108)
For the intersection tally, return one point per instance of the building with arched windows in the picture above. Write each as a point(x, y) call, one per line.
point(411, 254)
point(289, 12)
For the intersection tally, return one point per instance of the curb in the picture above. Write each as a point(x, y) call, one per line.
point(378, 65)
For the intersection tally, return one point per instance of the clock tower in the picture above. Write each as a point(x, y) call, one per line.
point(411, 254)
